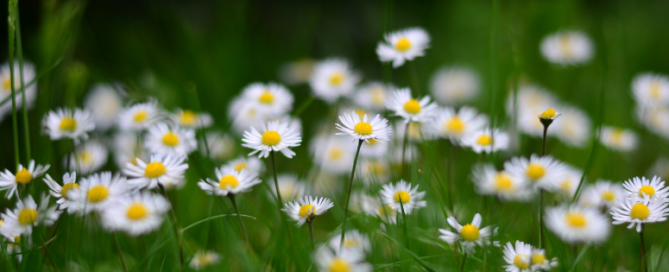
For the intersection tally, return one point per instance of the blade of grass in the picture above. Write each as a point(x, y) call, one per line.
point(19, 55)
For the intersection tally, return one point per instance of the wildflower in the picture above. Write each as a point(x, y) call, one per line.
point(307, 208)
point(402, 196)
point(402, 104)
point(244, 114)
point(221, 146)
point(639, 212)
point(654, 188)
point(271, 99)
point(569, 183)
point(105, 104)
point(161, 170)
point(453, 125)
point(469, 235)
point(64, 200)
point(486, 140)
point(489, 181)
point(191, 119)
point(275, 137)
point(540, 172)
point(98, 191)
point(601, 194)
point(530, 102)
point(127, 148)
point(27, 215)
point(373, 96)
point(526, 258)
point(297, 72)
point(229, 181)
point(375, 170)
point(403, 45)
point(577, 224)
point(87, 158)
point(332, 79)
point(454, 85)
point(30, 91)
point(567, 48)
point(650, 89)
point(136, 214)
point(252, 164)
point(353, 241)
point(618, 139)
point(10, 182)
point(573, 126)
point(139, 116)
point(362, 128)
point(202, 259)
point(333, 154)
point(66, 123)
point(290, 186)
point(163, 139)
point(326, 260)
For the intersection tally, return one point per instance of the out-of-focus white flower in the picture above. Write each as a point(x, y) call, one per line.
point(373, 96)
point(271, 99)
point(252, 164)
point(569, 183)
point(402, 196)
point(455, 126)
point(191, 119)
point(202, 259)
point(601, 194)
point(290, 186)
point(98, 191)
point(139, 116)
point(353, 241)
point(332, 79)
point(618, 139)
point(65, 123)
point(539, 172)
point(567, 48)
point(573, 126)
point(454, 85)
point(348, 260)
point(136, 214)
point(575, 224)
point(333, 154)
point(127, 148)
point(297, 72)
point(105, 104)
point(87, 158)
point(403, 45)
point(489, 181)
point(307, 208)
point(244, 114)
point(530, 102)
point(660, 168)
point(6, 88)
point(655, 118)
point(416, 110)
point(221, 146)
point(650, 89)
point(166, 140)
point(375, 171)
point(417, 131)
point(486, 140)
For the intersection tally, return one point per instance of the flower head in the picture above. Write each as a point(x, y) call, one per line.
point(333, 154)
point(290, 187)
point(601, 194)
point(191, 119)
point(469, 235)
point(454, 85)
point(540, 172)
point(573, 126)
point(276, 136)
point(202, 259)
point(353, 241)
point(105, 104)
point(27, 215)
point(136, 214)
point(577, 224)
point(567, 48)
point(307, 208)
point(526, 258)
point(401, 195)
point(350, 260)
point(618, 139)
point(30, 91)
point(139, 116)
point(651, 89)
point(489, 181)
point(88, 157)
point(403, 45)
point(166, 140)
point(162, 170)
point(639, 212)
point(98, 191)
point(10, 182)
point(229, 181)
point(373, 96)
point(637, 188)
point(271, 99)
point(332, 79)
point(456, 126)
point(63, 193)
point(486, 140)
point(364, 129)
point(411, 109)
point(66, 123)
point(221, 146)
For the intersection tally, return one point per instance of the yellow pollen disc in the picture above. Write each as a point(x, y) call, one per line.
point(363, 128)
point(351, 243)
point(403, 44)
point(154, 170)
point(85, 157)
point(171, 139)
point(339, 265)
point(412, 106)
point(140, 116)
point(639, 211)
point(228, 180)
point(519, 262)
point(484, 140)
point(576, 220)
point(336, 78)
point(266, 97)
point(7, 84)
point(307, 209)
point(68, 187)
point(455, 125)
point(535, 171)
point(377, 96)
point(402, 197)
point(650, 191)
point(565, 48)
point(565, 185)
point(23, 176)
point(137, 211)
point(385, 210)
point(608, 196)
point(655, 89)
point(68, 124)
point(27, 216)
point(548, 114)
point(538, 258)
point(470, 232)
point(271, 138)
point(376, 168)
point(188, 118)
point(617, 136)
point(335, 153)
point(17, 239)
point(97, 193)
point(503, 182)
point(241, 166)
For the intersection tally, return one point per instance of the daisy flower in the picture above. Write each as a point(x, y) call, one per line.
point(402, 104)
point(569, 182)
point(417, 131)
point(375, 170)
point(136, 214)
point(244, 114)
point(639, 212)
point(530, 102)
point(403, 45)
point(348, 260)
point(127, 148)
point(252, 164)
point(88, 158)
point(6, 89)
point(618, 139)
point(202, 259)
point(401, 196)
point(655, 118)
point(162, 170)
point(654, 188)
point(221, 146)
point(333, 154)
point(27, 215)
point(373, 96)
point(525, 258)
point(105, 104)
point(540, 172)
point(353, 241)
point(486, 140)
point(454, 85)
point(191, 119)
point(163, 139)
point(567, 48)
point(10, 182)
point(275, 137)
point(290, 186)
point(453, 125)
point(297, 72)
point(271, 99)
point(139, 116)
point(489, 181)
point(332, 79)
point(66, 123)
point(601, 194)
point(650, 89)
point(363, 129)
point(229, 181)
point(540, 262)
point(98, 191)
point(660, 168)
point(469, 235)
point(374, 149)
point(64, 200)
point(307, 208)
point(573, 126)
point(575, 224)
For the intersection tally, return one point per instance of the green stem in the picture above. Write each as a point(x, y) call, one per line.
point(643, 252)
point(311, 233)
point(541, 219)
point(414, 78)
point(239, 217)
point(177, 233)
point(19, 52)
point(120, 252)
point(276, 183)
point(348, 196)
point(10, 31)
point(304, 105)
point(404, 148)
point(579, 257)
point(462, 264)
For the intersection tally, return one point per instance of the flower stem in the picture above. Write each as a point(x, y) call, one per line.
point(276, 182)
point(414, 78)
point(348, 195)
point(311, 234)
point(11, 32)
point(404, 224)
point(120, 252)
point(404, 148)
point(643, 256)
point(462, 264)
point(19, 55)
point(543, 145)
point(177, 233)
point(241, 223)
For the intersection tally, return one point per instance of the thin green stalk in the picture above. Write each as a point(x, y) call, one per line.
point(19, 53)
point(120, 252)
point(311, 233)
point(493, 55)
point(643, 252)
point(10, 31)
point(239, 217)
point(541, 219)
point(276, 183)
point(414, 78)
point(404, 223)
point(177, 233)
point(304, 105)
point(348, 196)
point(579, 257)
point(404, 148)
point(462, 264)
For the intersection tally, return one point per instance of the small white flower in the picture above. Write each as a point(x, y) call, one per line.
point(64, 200)
point(307, 208)
point(660, 168)
point(363, 129)
point(252, 164)
point(275, 137)
point(540, 262)
point(163, 139)
point(618, 139)
point(375, 171)
point(418, 132)
point(139, 116)
point(136, 214)
point(66, 123)
point(9, 181)
point(98, 191)
point(489, 181)
point(373, 96)
point(530, 102)
point(577, 224)
point(402, 104)
point(332, 79)
point(27, 215)
point(202, 259)
point(486, 140)
point(191, 119)
point(526, 258)
point(469, 235)
point(271, 99)
point(454, 85)
point(403, 45)
point(333, 154)
point(162, 170)
point(651, 89)
point(6, 87)
point(655, 118)
point(105, 104)
point(639, 212)
point(654, 188)
point(229, 181)
point(244, 114)
point(567, 48)
point(353, 241)
point(453, 125)
point(402, 196)
point(127, 148)
point(297, 72)
point(573, 126)
point(87, 158)
point(540, 172)
point(601, 194)
point(290, 186)
point(348, 260)
point(569, 182)
point(221, 146)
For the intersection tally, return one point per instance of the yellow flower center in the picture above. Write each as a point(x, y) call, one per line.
point(402, 197)
point(228, 180)
point(27, 216)
point(484, 140)
point(67, 187)
point(403, 44)
point(336, 78)
point(241, 166)
point(97, 193)
point(617, 136)
point(470, 232)
point(519, 261)
point(412, 106)
point(154, 170)
point(385, 210)
point(503, 182)
point(140, 116)
point(565, 45)
point(335, 153)
point(565, 186)
point(266, 97)
point(377, 96)
point(137, 211)
point(608, 195)
point(455, 125)
point(23, 176)
point(351, 243)
point(548, 114)
point(188, 118)
point(361, 113)
point(576, 220)
point(85, 157)
point(372, 142)
point(271, 138)
point(68, 124)
point(307, 209)
point(538, 258)
point(363, 128)
point(655, 89)
point(339, 265)
point(7, 84)
point(535, 171)
point(639, 211)
point(171, 139)
point(650, 191)
point(376, 168)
